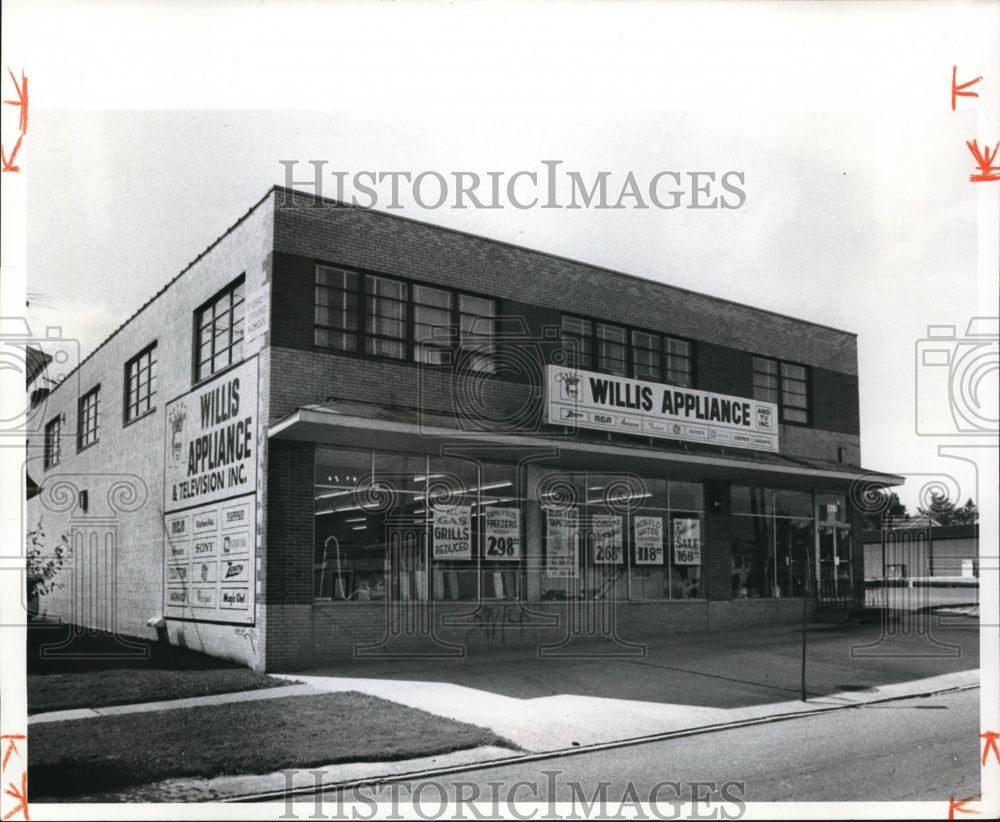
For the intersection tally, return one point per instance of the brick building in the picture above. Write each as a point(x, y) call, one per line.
point(342, 433)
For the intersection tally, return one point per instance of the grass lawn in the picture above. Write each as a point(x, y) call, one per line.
point(96, 689)
point(88, 756)
point(93, 669)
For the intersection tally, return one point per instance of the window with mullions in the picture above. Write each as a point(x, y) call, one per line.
point(612, 349)
point(432, 325)
point(219, 329)
point(647, 354)
point(336, 309)
point(794, 393)
point(578, 342)
point(784, 384)
point(53, 442)
point(140, 383)
point(385, 317)
point(679, 362)
point(86, 420)
point(642, 355)
point(476, 325)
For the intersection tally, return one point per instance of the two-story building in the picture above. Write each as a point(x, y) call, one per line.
point(340, 432)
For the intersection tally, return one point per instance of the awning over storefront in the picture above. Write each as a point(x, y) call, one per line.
point(359, 425)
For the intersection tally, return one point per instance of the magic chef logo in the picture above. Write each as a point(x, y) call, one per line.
point(178, 414)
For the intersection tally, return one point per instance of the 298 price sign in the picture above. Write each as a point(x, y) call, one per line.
point(502, 533)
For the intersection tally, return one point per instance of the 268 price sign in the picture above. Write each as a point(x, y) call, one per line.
point(607, 539)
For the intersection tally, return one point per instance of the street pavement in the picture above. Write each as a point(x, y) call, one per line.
point(680, 685)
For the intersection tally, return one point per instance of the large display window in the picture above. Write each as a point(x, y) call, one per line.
point(415, 527)
point(782, 548)
point(620, 536)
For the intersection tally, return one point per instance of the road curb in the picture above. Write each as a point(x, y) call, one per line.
point(933, 687)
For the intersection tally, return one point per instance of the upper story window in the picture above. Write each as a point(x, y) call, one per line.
point(647, 356)
point(338, 295)
point(53, 442)
point(87, 418)
point(476, 326)
point(432, 324)
point(680, 366)
point(578, 342)
point(385, 317)
point(614, 349)
point(140, 383)
point(785, 384)
point(219, 331)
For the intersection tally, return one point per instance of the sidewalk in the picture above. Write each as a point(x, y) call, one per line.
point(682, 685)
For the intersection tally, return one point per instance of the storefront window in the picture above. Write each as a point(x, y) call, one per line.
point(649, 543)
point(832, 507)
point(349, 552)
point(615, 536)
point(774, 542)
point(412, 527)
point(687, 533)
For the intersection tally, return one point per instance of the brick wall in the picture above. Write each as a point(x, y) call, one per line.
point(537, 288)
point(396, 246)
point(290, 546)
point(717, 564)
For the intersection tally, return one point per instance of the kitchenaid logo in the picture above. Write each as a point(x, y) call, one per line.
point(549, 187)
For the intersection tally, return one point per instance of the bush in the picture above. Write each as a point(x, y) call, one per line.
point(42, 566)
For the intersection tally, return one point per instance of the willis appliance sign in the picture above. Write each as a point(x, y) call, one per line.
point(210, 500)
point(584, 399)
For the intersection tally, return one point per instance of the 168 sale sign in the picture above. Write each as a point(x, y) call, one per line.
point(687, 542)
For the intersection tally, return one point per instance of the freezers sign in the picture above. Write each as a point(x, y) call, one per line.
point(584, 399)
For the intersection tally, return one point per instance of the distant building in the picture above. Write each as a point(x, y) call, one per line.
point(340, 432)
point(915, 551)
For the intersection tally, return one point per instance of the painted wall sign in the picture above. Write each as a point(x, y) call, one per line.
point(258, 307)
point(585, 399)
point(502, 533)
point(211, 441)
point(209, 574)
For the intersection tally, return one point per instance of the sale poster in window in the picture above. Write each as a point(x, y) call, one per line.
point(502, 532)
point(648, 541)
point(687, 542)
point(606, 530)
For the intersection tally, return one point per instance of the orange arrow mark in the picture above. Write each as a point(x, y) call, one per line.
point(991, 738)
point(957, 805)
point(959, 90)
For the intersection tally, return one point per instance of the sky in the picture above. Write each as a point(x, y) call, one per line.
point(154, 127)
